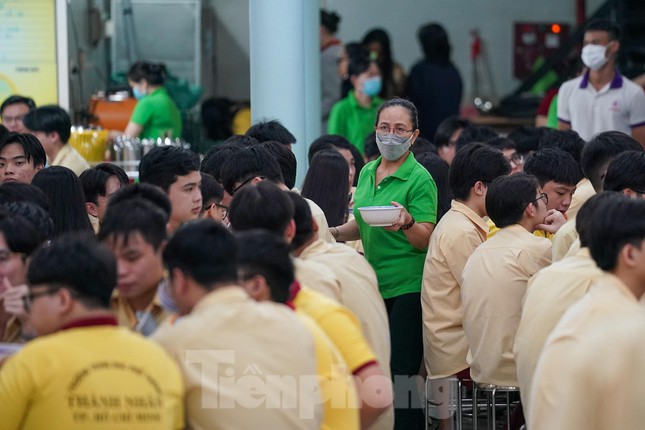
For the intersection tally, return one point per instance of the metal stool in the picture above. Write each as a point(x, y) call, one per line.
point(492, 391)
point(456, 406)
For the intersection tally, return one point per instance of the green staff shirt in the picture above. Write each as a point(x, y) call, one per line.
point(158, 114)
point(353, 121)
point(398, 264)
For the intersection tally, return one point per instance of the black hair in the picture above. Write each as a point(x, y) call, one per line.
point(616, 223)
point(584, 217)
point(48, 119)
point(434, 42)
point(566, 140)
point(249, 163)
point(370, 147)
point(476, 162)
point(358, 64)
point(271, 130)
point(94, 180)
point(286, 160)
point(447, 128)
point(163, 164)
point(3, 132)
point(21, 192)
point(217, 156)
point(501, 143)
point(421, 146)
point(37, 216)
point(553, 164)
point(31, 146)
point(438, 169)
point(385, 60)
point(474, 133)
point(212, 191)
point(16, 99)
point(353, 50)
point(131, 216)
point(66, 199)
point(81, 264)
point(204, 250)
point(527, 138)
point(217, 117)
point(604, 25)
point(19, 233)
point(335, 141)
point(261, 206)
point(627, 170)
point(329, 20)
point(153, 73)
point(600, 150)
point(303, 219)
point(261, 252)
point(327, 184)
point(508, 196)
point(405, 104)
point(241, 140)
point(147, 192)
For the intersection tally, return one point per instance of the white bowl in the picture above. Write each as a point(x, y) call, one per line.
point(380, 216)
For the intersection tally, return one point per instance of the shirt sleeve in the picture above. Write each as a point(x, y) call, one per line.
point(422, 201)
point(142, 113)
point(335, 124)
point(16, 388)
point(563, 103)
point(637, 110)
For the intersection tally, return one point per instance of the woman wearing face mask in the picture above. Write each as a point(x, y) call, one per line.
point(156, 114)
point(397, 252)
point(353, 116)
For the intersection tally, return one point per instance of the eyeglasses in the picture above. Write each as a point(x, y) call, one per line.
point(398, 130)
point(28, 299)
point(516, 159)
point(223, 208)
point(244, 183)
point(542, 196)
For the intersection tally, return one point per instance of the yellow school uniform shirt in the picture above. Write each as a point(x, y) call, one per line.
point(605, 390)
point(563, 239)
point(337, 388)
point(127, 316)
point(70, 158)
point(492, 288)
point(360, 294)
point(493, 229)
point(91, 377)
point(454, 239)
point(246, 364)
point(608, 298)
point(548, 295)
point(317, 277)
point(584, 191)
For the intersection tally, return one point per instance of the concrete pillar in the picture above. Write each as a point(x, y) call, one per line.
point(285, 69)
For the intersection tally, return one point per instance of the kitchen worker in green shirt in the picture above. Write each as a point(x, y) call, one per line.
point(397, 252)
point(353, 117)
point(156, 114)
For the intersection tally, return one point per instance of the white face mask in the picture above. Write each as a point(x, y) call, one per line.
point(391, 146)
point(593, 56)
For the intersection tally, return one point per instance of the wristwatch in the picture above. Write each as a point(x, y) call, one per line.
point(410, 224)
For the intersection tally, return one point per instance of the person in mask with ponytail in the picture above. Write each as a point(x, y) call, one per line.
point(397, 252)
point(156, 114)
point(602, 99)
point(353, 116)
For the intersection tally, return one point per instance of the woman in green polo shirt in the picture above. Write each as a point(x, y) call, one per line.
point(156, 114)
point(397, 252)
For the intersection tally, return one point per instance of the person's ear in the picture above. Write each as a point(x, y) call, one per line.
point(613, 48)
point(314, 225)
point(290, 231)
point(258, 288)
point(65, 301)
point(530, 210)
point(479, 188)
point(628, 192)
point(92, 209)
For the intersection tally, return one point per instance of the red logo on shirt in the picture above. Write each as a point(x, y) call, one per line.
point(614, 106)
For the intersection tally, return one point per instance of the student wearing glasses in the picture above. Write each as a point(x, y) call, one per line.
point(212, 194)
point(495, 276)
point(397, 252)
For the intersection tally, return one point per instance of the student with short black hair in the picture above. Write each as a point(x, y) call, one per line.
point(286, 160)
point(474, 133)
point(446, 136)
point(13, 110)
point(212, 195)
point(495, 276)
point(80, 353)
point(99, 184)
point(144, 191)
point(350, 152)
point(215, 159)
point(509, 149)
point(271, 130)
point(617, 245)
point(21, 192)
point(219, 316)
point(21, 156)
point(52, 126)
point(626, 174)
point(454, 239)
point(135, 231)
point(527, 138)
point(176, 171)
